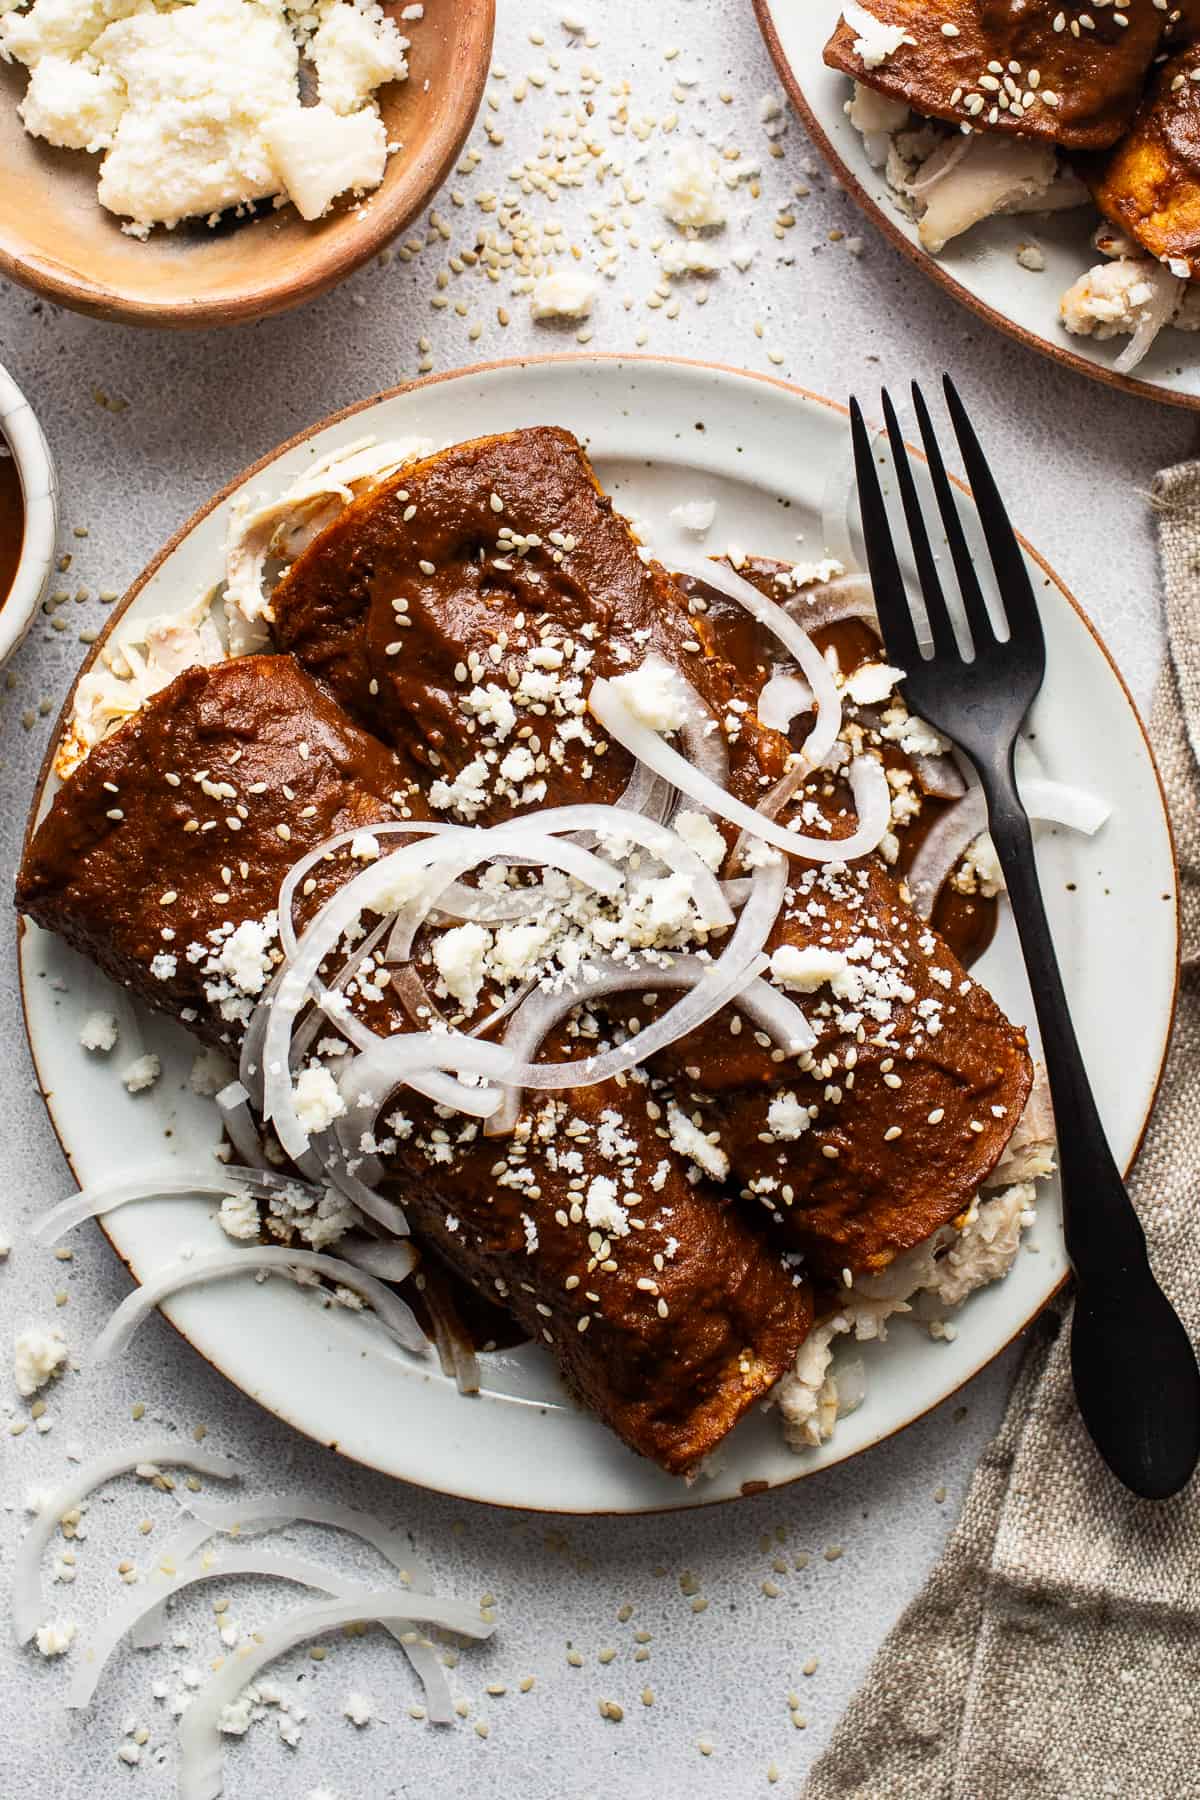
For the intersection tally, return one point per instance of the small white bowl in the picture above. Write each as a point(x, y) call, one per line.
point(39, 492)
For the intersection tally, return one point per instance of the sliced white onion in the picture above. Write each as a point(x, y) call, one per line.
point(850, 1377)
point(544, 1010)
point(456, 1353)
point(386, 1261)
point(286, 1567)
point(393, 1314)
point(342, 912)
point(613, 825)
point(28, 1603)
point(833, 602)
point(1159, 310)
point(233, 1104)
point(410, 1059)
point(723, 980)
point(840, 489)
point(646, 793)
point(867, 780)
point(300, 871)
point(939, 776)
point(212, 1183)
point(276, 1513)
point(782, 699)
point(942, 849)
point(200, 1776)
point(571, 858)
point(794, 639)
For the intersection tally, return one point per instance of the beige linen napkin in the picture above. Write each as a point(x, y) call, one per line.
point(1055, 1652)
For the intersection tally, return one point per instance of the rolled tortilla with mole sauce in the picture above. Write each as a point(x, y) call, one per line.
point(668, 1315)
point(1040, 68)
point(462, 609)
point(162, 856)
point(1149, 184)
point(161, 860)
point(886, 1130)
point(921, 1053)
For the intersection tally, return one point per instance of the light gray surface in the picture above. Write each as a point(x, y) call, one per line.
point(1075, 461)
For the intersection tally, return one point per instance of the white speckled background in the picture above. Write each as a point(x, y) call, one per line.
point(1074, 459)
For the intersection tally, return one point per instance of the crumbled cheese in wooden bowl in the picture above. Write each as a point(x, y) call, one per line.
point(195, 104)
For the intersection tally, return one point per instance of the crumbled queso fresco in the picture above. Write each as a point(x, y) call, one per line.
point(195, 104)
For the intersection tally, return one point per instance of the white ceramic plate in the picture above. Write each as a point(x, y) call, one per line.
point(980, 268)
point(660, 432)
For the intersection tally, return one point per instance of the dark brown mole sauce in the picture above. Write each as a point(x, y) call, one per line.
point(12, 521)
point(966, 921)
point(484, 1323)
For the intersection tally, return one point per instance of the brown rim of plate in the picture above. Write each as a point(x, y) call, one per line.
point(394, 205)
point(929, 265)
point(483, 368)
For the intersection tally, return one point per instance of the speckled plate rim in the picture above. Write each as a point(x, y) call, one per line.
point(39, 495)
point(765, 12)
point(676, 1498)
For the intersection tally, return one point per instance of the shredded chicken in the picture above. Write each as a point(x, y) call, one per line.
point(142, 658)
point(136, 662)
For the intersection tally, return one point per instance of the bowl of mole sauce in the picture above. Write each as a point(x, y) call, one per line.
point(28, 515)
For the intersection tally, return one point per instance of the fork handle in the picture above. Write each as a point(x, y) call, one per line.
point(1135, 1371)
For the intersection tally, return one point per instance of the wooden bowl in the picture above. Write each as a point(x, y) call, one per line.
point(57, 239)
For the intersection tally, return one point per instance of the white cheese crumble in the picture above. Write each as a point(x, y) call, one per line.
point(810, 967)
point(602, 1210)
point(690, 1141)
point(358, 1708)
point(563, 294)
point(875, 41)
point(692, 196)
point(787, 1117)
point(654, 695)
point(695, 515)
point(701, 835)
point(244, 955)
point(99, 1032)
point(38, 1354)
point(459, 956)
point(872, 682)
point(142, 1073)
point(238, 1217)
point(197, 107)
point(56, 1636)
point(317, 1099)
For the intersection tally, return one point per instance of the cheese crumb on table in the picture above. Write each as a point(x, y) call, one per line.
point(563, 294)
point(692, 195)
point(56, 1636)
point(38, 1354)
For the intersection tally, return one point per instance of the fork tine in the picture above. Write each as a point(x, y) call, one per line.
point(1007, 560)
point(940, 625)
point(974, 604)
point(891, 601)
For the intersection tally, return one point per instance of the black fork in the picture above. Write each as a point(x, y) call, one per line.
point(1136, 1377)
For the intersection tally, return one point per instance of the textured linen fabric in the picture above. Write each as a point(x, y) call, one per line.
point(1055, 1652)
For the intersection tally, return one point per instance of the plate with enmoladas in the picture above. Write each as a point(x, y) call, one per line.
point(530, 704)
point(1037, 163)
